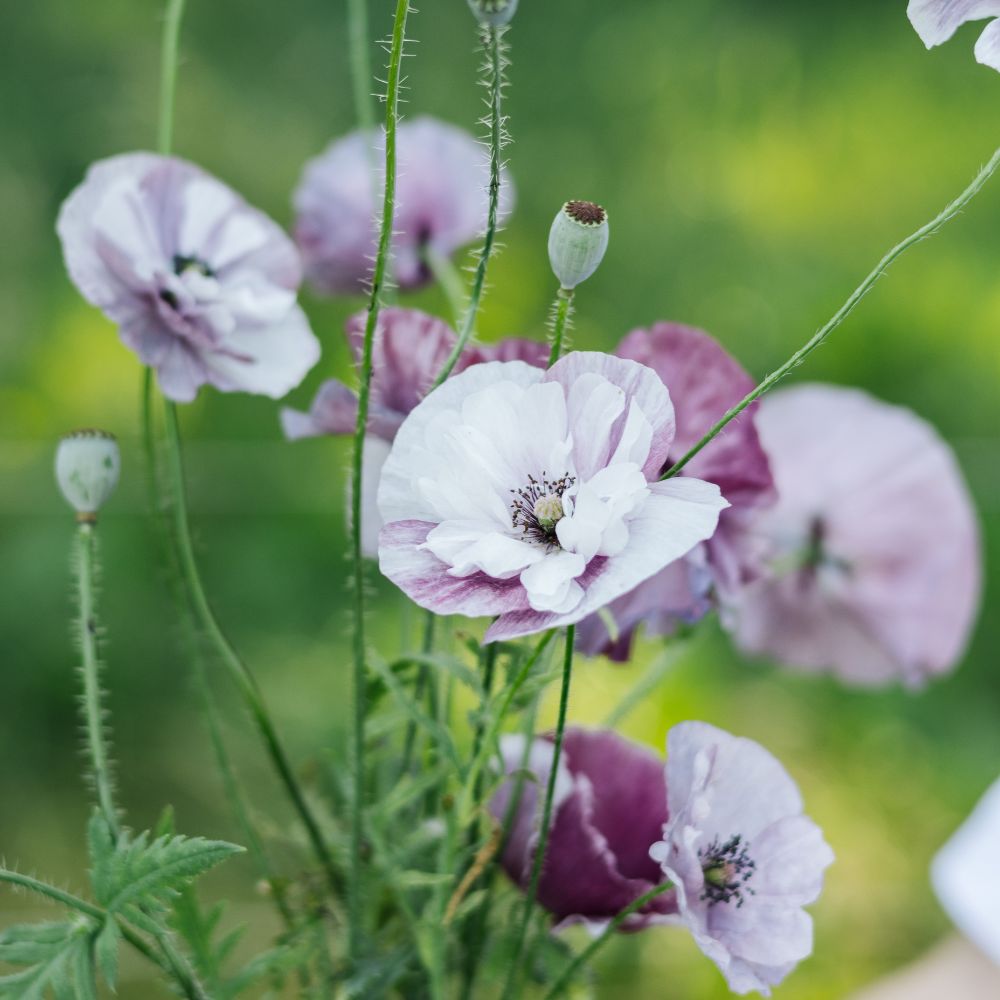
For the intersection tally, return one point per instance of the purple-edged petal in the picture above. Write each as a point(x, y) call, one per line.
point(333, 411)
point(678, 514)
point(532, 352)
point(936, 21)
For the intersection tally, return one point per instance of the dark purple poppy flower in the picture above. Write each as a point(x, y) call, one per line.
point(610, 808)
point(704, 381)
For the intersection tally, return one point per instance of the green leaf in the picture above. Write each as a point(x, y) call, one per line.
point(58, 957)
point(106, 951)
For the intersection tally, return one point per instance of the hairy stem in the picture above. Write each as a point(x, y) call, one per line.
point(495, 65)
point(562, 310)
point(538, 862)
point(238, 670)
point(929, 229)
point(93, 712)
point(356, 880)
point(588, 953)
point(168, 73)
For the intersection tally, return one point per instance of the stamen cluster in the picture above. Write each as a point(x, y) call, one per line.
point(727, 868)
point(537, 508)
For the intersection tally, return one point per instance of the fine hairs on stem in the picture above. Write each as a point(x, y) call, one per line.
point(494, 69)
point(561, 322)
point(545, 827)
point(355, 887)
point(929, 229)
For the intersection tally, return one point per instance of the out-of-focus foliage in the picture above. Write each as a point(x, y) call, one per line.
point(756, 157)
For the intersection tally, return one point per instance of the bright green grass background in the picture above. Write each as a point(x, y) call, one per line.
point(756, 156)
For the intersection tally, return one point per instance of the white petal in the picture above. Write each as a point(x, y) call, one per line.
point(937, 20)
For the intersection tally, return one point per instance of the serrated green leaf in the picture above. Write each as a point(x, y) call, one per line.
point(27, 944)
point(106, 952)
point(59, 957)
point(149, 874)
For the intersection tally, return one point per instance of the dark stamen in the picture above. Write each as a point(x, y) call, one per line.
point(523, 514)
point(183, 263)
point(727, 868)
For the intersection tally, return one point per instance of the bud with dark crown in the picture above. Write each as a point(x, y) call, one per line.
point(577, 241)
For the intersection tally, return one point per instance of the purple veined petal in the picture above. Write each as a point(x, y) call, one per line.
point(874, 547)
point(441, 184)
point(965, 876)
point(532, 352)
point(637, 384)
point(936, 21)
point(678, 515)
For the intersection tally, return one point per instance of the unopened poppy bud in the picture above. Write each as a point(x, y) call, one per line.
point(493, 12)
point(577, 241)
point(87, 466)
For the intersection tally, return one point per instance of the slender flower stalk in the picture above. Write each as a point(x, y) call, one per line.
point(588, 953)
point(356, 882)
point(645, 685)
point(538, 863)
point(449, 280)
point(928, 229)
point(168, 73)
point(361, 69)
point(239, 671)
point(496, 63)
point(562, 311)
point(87, 635)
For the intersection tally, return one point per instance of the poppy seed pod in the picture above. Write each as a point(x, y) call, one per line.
point(87, 467)
point(577, 241)
point(494, 13)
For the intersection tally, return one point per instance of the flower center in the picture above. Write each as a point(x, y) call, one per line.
point(537, 508)
point(184, 263)
point(727, 868)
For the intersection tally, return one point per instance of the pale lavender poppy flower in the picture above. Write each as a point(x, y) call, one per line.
point(610, 806)
point(937, 20)
point(874, 563)
point(743, 857)
point(966, 876)
point(533, 496)
point(202, 286)
point(704, 382)
point(441, 203)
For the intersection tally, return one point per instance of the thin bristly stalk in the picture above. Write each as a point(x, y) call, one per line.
point(361, 69)
point(562, 312)
point(588, 953)
point(356, 861)
point(544, 830)
point(496, 64)
point(929, 229)
point(245, 682)
point(88, 632)
point(168, 73)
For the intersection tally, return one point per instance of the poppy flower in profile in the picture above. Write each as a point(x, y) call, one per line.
point(202, 286)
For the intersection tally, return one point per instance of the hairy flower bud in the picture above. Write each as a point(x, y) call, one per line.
point(87, 466)
point(577, 241)
point(495, 13)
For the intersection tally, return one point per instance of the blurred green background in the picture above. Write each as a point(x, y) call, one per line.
point(757, 157)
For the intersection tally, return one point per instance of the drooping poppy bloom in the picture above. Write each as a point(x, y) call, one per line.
point(937, 20)
point(610, 806)
point(704, 382)
point(534, 496)
point(873, 562)
point(966, 877)
point(202, 286)
point(441, 203)
point(743, 857)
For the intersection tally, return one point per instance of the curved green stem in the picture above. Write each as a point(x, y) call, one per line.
point(447, 276)
point(645, 685)
point(588, 953)
point(356, 880)
point(496, 63)
point(538, 862)
point(238, 670)
point(562, 309)
point(85, 563)
point(845, 310)
point(168, 73)
point(361, 69)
